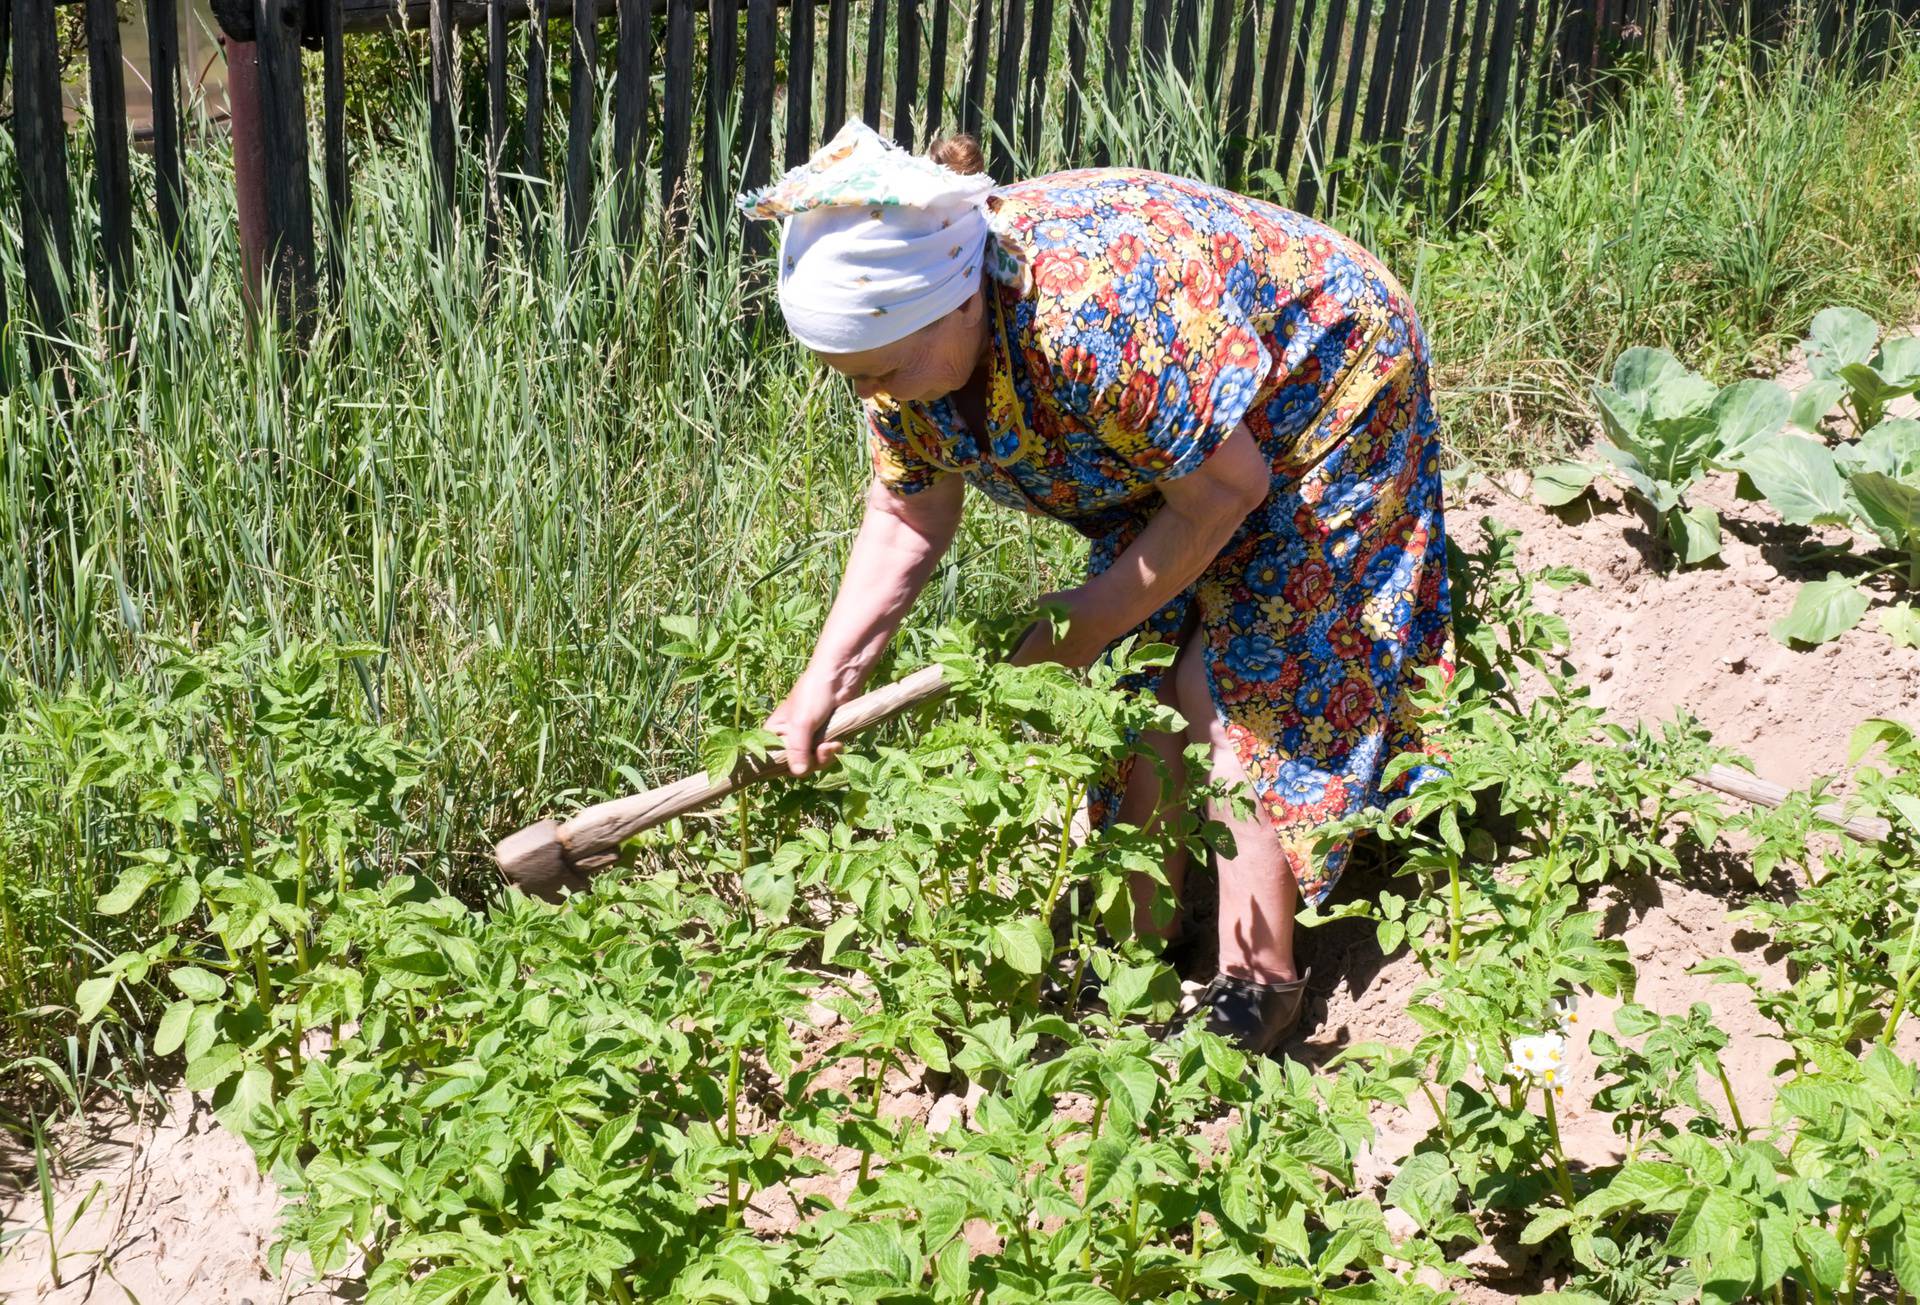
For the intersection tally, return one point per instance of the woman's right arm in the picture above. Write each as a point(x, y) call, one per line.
point(901, 539)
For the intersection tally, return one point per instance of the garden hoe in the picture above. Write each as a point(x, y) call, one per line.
point(543, 860)
point(553, 856)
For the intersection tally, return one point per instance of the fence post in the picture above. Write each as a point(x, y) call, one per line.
point(40, 149)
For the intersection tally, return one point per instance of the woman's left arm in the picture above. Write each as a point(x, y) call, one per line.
point(1201, 513)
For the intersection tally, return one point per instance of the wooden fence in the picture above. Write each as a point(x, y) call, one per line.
point(1308, 93)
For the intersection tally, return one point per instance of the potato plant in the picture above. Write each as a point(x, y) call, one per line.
point(705, 1080)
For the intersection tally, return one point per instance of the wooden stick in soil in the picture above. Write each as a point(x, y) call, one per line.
point(1751, 788)
point(546, 858)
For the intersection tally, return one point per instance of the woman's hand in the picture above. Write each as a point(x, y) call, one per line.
point(1085, 638)
point(800, 721)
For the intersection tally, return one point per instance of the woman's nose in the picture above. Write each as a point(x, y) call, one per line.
point(865, 389)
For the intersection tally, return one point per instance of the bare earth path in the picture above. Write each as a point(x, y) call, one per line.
point(175, 1211)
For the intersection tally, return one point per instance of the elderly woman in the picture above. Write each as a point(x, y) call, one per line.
point(1228, 399)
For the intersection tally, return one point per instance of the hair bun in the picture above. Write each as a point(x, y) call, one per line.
point(959, 153)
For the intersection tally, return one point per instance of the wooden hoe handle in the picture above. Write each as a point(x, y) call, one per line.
point(546, 858)
point(543, 859)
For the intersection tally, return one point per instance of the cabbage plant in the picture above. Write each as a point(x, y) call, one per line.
point(1666, 429)
point(1846, 365)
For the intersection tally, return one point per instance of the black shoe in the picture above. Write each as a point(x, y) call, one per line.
point(1255, 1017)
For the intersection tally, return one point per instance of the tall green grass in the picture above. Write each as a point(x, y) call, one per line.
point(505, 476)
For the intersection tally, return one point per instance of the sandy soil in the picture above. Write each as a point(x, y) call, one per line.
point(173, 1210)
point(164, 1209)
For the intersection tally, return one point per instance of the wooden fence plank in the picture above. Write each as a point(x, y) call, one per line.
point(1240, 93)
point(1313, 164)
point(40, 148)
point(757, 108)
point(836, 68)
point(1439, 124)
point(1349, 98)
point(800, 34)
point(1076, 80)
point(533, 140)
point(6, 314)
point(1400, 90)
point(1380, 72)
point(440, 129)
point(496, 121)
point(1493, 101)
point(283, 134)
point(1469, 105)
point(973, 104)
point(1547, 79)
point(1154, 20)
point(583, 102)
point(170, 191)
point(632, 91)
point(1039, 70)
point(875, 71)
point(333, 144)
point(1523, 58)
point(906, 87)
point(676, 132)
point(1220, 29)
point(632, 84)
point(113, 185)
point(1113, 74)
point(1291, 116)
point(1424, 95)
point(716, 147)
point(1186, 36)
point(1273, 73)
point(1006, 88)
point(937, 68)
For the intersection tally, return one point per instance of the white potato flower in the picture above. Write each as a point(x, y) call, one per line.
point(1540, 1057)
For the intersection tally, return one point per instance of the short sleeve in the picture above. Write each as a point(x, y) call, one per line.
point(1181, 382)
point(898, 462)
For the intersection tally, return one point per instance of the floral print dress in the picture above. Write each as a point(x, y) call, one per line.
point(1137, 320)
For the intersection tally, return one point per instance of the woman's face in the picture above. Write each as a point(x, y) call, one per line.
point(930, 364)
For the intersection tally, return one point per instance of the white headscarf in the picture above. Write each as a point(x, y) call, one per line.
point(876, 242)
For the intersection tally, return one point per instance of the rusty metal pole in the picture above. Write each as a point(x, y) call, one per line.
point(249, 165)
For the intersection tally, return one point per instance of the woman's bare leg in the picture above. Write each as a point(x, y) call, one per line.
point(1257, 888)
